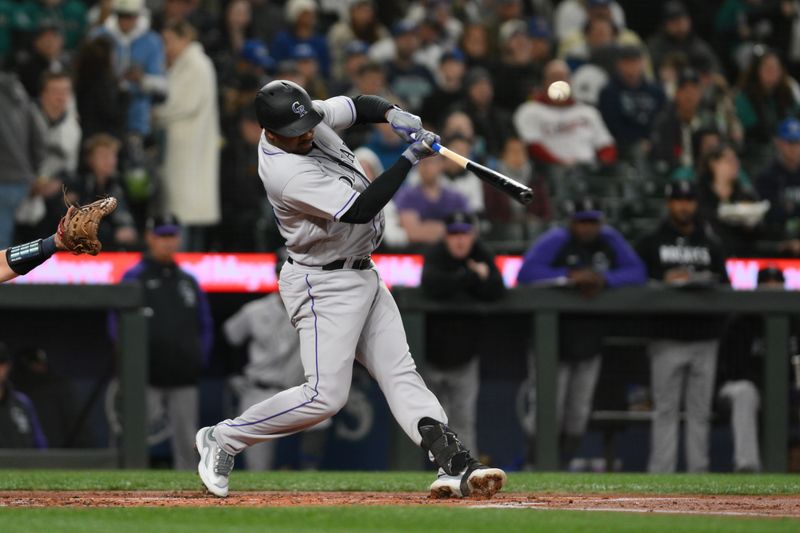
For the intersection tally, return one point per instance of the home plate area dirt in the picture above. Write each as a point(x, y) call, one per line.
point(776, 506)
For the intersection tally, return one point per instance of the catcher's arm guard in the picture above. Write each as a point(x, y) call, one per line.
point(77, 231)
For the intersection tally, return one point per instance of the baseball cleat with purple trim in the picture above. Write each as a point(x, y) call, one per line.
point(476, 480)
point(215, 463)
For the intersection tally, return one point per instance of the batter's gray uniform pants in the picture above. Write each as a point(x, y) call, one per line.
point(457, 388)
point(261, 456)
point(340, 315)
point(179, 406)
point(744, 400)
point(681, 370)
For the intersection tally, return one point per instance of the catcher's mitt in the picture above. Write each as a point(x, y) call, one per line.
point(78, 228)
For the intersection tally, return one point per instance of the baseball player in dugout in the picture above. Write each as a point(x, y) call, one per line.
point(19, 422)
point(683, 357)
point(589, 256)
point(180, 337)
point(331, 217)
point(459, 268)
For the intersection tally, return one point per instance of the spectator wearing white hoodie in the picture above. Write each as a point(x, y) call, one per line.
point(139, 60)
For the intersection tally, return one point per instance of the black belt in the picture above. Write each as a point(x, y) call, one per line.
point(362, 263)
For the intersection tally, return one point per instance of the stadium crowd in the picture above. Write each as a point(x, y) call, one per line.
point(151, 101)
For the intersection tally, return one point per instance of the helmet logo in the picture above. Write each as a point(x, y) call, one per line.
point(299, 108)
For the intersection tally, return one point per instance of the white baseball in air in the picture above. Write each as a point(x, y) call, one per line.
point(559, 91)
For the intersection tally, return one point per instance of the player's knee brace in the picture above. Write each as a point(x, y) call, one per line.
point(443, 445)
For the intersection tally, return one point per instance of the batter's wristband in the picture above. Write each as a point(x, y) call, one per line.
point(25, 257)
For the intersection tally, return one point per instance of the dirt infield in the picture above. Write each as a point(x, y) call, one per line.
point(774, 506)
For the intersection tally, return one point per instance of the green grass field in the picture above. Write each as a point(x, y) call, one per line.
point(361, 519)
point(764, 484)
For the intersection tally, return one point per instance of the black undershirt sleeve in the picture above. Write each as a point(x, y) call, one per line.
point(378, 194)
point(371, 109)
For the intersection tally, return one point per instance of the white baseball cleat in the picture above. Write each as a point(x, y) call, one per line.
point(477, 480)
point(215, 463)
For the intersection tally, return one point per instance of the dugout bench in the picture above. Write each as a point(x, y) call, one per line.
point(544, 306)
point(127, 299)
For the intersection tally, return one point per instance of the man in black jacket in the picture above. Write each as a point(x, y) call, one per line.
point(181, 336)
point(458, 268)
point(244, 201)
point(683, 354)
point(677, 37)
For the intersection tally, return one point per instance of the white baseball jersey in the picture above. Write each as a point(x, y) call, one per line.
point(309, 193)
point(572, 132)
point(274, 349)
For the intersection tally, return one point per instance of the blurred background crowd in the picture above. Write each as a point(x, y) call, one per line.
point(679, 148)
point(150, 100)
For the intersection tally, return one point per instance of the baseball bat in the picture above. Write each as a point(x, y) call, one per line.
point(519, 192)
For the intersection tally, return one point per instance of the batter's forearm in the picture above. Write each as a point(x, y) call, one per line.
point(371, 109)
point(378, 194)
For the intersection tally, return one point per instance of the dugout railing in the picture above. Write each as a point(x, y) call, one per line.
point(545, 306)
point(127, 299)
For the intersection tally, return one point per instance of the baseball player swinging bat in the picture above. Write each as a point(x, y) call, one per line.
point(337, 301)
point(514, 189)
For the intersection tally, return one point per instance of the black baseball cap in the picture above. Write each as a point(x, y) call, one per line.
point(681, 190)
point(459, 222)
point(164, 225)
point(47, 24)
point(673, 10)
point(629, 51)
point(475, 75)
point(688, 75)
